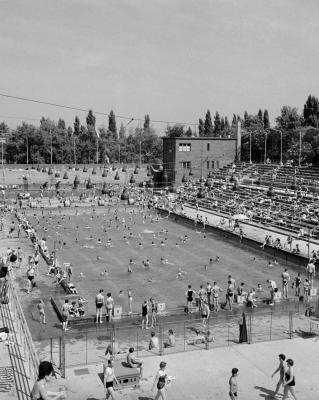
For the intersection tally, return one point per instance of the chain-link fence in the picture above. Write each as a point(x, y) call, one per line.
point(91, 345)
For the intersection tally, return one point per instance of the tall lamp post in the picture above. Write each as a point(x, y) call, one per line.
point(27, 149)
point(74, 149)
point(299, 162)
point(250, 133)
point(51, 155)
point(265, 155)
point(132, 119)
point(3, 141)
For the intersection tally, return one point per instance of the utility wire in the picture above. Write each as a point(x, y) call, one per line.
point(86, 110)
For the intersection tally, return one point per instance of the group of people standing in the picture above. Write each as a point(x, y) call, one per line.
point(100, 303)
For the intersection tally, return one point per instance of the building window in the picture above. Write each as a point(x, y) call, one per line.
point(208, 146)
point(185, 164)
point(217, 164)
point(207, 164)
point(184, 147)
point(213, 164)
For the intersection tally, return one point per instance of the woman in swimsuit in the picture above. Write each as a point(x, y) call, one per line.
point(30, 275)
point(289, 381)
point(108, 379)
point(160, 381)
point(39, 391)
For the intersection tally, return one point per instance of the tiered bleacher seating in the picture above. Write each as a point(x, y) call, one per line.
point(292, 208)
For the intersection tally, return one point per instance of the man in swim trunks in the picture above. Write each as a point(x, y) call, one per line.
point(99, 302)
point(109, 305)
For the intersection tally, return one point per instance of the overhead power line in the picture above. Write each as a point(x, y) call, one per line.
point(95, 112)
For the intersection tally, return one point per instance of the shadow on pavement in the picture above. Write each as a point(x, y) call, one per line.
point(144, 398)
point(265, 393)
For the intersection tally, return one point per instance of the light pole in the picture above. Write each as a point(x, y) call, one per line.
point(27, 149)
point(265, 147)
point(280, 147)
point(250, 160)
point(299, 149)
point(131, 120)
point(51, 146)
point(97, 150)
point(74, 149)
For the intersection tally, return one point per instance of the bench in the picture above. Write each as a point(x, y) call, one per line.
point(126, 376)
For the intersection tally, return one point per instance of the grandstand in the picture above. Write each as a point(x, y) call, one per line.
point(285, 197)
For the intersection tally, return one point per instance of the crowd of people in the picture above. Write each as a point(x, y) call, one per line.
point(206, 299)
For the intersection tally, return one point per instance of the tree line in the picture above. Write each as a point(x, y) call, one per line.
point(79, 143)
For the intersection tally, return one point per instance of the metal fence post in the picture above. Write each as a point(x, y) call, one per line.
point(62, 355)
point(86, 348)
point(291, 328)
point(250, 329)
point(161, 339)
point(136, 343)
point(184, 336)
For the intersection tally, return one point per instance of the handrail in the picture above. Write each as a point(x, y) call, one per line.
point(22, 352)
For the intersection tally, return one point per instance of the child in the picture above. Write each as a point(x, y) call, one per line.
point(233, 385)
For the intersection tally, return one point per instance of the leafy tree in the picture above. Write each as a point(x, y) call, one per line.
point(217, 124)
point(234, 121)
point(3, 128)
point(222, 124)
point(245, 119)
point(70, 131)
point(289, 118)
point(90, 120)
point(176, 130)
point(311, 111)
point(226, 124)
point(208, 126)
point(201, 127)
point(266, 119)
point(122, 131)
point(253, 122)
point(76, 126)
point(189, 132)
point(260, 115)
point(146, 122)
point(61, 124)
point(112, 125)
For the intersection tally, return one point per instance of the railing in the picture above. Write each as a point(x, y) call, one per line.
point(22, 352)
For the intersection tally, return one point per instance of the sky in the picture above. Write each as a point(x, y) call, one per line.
point(171, 59)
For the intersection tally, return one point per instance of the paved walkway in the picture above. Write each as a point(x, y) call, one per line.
point(252, 231)
point(204, 374)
